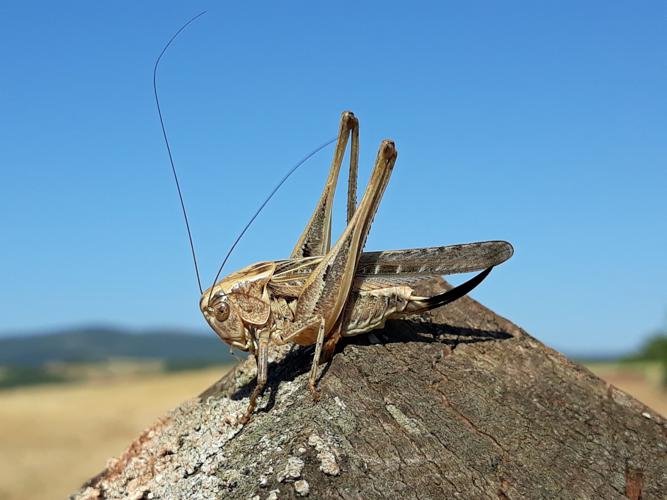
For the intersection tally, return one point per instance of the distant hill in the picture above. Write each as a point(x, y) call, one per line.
point(94, 344)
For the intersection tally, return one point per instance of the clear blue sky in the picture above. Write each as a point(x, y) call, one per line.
point(544, 124)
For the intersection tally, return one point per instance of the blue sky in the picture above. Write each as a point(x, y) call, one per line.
point(540, 123)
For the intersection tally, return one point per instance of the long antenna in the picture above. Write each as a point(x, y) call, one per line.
point(166, 141)
point(261, 207)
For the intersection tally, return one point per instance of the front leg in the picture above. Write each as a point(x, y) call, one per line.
point(262, 359)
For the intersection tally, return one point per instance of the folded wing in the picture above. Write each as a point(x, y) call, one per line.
point(291, 274)
point(452, 259)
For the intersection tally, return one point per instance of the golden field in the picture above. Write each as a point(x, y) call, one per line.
point(55, 437)
point(642, 379)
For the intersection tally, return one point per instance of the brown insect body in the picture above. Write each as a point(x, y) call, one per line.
point(322, 293)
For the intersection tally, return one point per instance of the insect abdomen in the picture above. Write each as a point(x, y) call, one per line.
point(368, 310)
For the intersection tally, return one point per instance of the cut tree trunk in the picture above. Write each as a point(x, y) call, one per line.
point(456, 403)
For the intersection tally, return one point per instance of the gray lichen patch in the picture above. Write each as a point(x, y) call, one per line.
point(328, 463)
point(403, 420)
point(273, 495)
point(179, 457)
point(302, 488)
point(291, 470)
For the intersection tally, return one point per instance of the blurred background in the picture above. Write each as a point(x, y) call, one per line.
point(543, 125)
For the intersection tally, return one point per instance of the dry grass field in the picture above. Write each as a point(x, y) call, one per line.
point(55, 437)
point(643, 380)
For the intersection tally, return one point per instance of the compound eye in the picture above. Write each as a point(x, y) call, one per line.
point(221, 311)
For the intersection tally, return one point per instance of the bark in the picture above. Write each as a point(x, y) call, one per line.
point(456, 403)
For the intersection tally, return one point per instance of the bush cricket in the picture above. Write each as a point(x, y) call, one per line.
point(323, 292)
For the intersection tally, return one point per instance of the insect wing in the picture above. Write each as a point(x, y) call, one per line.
point(452, 259)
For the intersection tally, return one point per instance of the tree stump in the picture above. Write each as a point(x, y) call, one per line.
point(456, 403)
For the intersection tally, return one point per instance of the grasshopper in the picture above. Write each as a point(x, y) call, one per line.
point(322, 293)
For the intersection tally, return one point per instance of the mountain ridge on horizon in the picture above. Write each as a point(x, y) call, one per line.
point(100, 327)
point(95, 343)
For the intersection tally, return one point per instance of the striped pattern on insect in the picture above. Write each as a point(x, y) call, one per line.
point(324, 292)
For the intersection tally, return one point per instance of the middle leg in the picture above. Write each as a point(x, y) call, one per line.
point(312, 379)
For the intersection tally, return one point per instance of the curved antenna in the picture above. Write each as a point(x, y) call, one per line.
point(166, 141)
point(261, 207)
